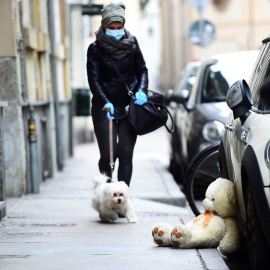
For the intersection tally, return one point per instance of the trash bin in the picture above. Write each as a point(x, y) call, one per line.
point(82, 102)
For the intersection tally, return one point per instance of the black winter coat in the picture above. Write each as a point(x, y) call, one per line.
point(107, 86)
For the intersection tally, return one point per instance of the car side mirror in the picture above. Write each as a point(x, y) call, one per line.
point(181, 96)
point(239, 100)
point(168, 96)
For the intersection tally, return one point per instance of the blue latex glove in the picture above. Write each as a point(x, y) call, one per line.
point(111, 112)
point(141, 98)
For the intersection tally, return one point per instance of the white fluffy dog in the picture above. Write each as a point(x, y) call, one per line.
point(111, 199)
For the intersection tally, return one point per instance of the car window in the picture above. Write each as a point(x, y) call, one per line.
point(179, 82)
point(260, 75)
point(186, 80)
point(215, 85)
point(220, 75)
point(190, 81)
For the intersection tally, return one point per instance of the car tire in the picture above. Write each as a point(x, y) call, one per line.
point(197, 170)
point(172, 166)
point(222, 161)
point(177, 165)
point(176, 171)
point(257, 246)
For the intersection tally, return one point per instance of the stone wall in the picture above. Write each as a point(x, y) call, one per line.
point(14, 147)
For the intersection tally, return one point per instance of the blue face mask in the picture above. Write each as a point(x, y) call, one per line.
point(117, 34)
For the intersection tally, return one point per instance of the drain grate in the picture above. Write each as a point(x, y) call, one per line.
point(28, 234)
point(54, 225)
point(13, 256)
point(150, 214)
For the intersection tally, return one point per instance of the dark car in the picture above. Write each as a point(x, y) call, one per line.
point(200, 110)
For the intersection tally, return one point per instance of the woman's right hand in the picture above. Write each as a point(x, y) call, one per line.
point(108, 109)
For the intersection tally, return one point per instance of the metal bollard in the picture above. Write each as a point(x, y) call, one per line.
point(2, 166)
point(32, 136)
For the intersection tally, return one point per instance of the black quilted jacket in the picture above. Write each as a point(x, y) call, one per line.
point(106, 85)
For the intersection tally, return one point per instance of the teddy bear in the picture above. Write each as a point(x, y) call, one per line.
point(217, 227)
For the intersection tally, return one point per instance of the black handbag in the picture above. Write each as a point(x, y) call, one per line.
point(150, 116)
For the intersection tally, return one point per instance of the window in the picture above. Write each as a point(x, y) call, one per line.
point(219, 76)
point(215, 85)
point(190, 81)
point(260, 75)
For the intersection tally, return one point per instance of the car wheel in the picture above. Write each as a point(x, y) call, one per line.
point(172, 166)
point(176, 167)
point(201, 172)
point(176, 171)
point(257, 247)
point(222, 161)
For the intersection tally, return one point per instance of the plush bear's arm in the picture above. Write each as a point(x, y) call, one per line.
point(231, 240)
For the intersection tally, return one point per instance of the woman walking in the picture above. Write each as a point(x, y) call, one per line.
point(115, 48)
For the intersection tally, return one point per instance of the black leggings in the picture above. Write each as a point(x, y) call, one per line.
point(124, 139)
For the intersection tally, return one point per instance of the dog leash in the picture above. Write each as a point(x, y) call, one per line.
point(111, 144)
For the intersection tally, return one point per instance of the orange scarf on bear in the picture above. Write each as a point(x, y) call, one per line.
point(207, 215)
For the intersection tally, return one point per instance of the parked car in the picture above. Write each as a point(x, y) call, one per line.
point(183, 85)
point(245, 156)
point(200, 111)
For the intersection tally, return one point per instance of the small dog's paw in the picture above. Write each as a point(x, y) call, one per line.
point(133, 219)
point(131, 216)
point(161, 234)
point(104, 218)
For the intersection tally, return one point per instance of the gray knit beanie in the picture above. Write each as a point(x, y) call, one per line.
point(113, 12)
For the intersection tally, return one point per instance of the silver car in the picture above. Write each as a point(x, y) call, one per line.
point(245, 156)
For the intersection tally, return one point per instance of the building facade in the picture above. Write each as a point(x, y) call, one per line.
point(35, 82)
point(239, 25)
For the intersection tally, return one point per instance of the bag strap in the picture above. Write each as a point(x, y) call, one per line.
point(164, 123)
point(130, 93)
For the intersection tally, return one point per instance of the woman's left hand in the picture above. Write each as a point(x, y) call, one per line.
point(141, 98)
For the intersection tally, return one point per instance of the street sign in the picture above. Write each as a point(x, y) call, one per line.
point(91, 9)
point(199, 5)
point(202, 33)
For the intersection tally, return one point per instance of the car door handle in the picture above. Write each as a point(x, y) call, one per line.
point(229, 127)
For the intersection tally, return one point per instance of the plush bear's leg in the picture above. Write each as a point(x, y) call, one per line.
point(231, 240)
point(161, 234)
point(181, 236)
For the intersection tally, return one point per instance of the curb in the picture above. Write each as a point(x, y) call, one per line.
point(176, 196)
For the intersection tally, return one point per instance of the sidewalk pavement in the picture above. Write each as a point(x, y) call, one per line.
point(58, 228)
